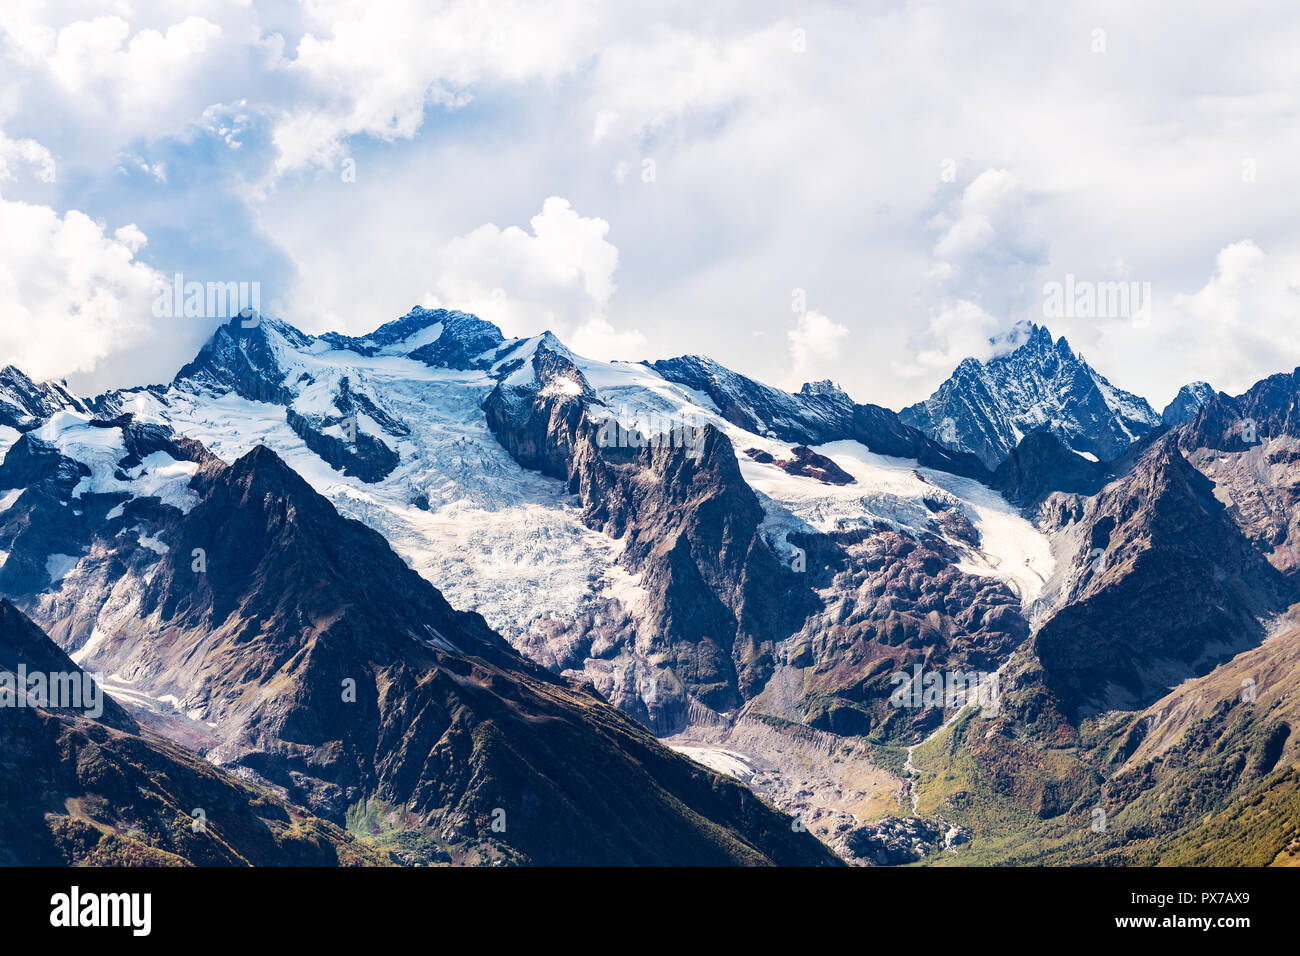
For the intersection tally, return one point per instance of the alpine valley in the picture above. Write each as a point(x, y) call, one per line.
point(438, 596)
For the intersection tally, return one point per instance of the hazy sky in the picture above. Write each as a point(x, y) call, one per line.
point(858, 191)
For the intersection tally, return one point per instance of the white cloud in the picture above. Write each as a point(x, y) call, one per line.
point(1241, 325)
point(778, 166)
point(132, 75)
point(955, 331)
point(994, 196)
point(815, 344)
point(984, 259)
point(372, 68)
point(558, 277)
point(650, 81)
point(71, 296)
point(26, 153)
point(988, 235)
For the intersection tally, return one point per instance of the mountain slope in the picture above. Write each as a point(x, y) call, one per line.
point(24, 403)
point(97, 791)
point(1040, 465)
point(1249, 446)
point(744, 568)
point(820, 412)
point(672, 583)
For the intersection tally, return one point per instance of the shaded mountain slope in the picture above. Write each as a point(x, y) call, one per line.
point(1040, 465)
point(1165, 587)
point(76, 790)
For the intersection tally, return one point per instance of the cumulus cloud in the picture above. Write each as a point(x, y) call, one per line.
point(956, 330)
point(101, 58)
point(983, 263)
point(1242, 323)
point(145, 81)
point(815, 343)
point(71, 295)
point(559, 276)
point(372, 68)
point(987, 249)
point(25, 154)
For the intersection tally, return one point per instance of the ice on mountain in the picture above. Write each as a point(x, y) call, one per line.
point(58, 566)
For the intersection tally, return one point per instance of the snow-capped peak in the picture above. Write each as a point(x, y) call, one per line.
point(1041, 384)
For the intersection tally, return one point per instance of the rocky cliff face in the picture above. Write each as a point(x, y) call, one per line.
point(726, 624)
point(896, 604)
point(1249, 446)
point(243, 355)
point(24, 403)
point(716, 596)
point(1165, 587)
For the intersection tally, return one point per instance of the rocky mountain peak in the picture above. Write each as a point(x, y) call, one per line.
point(986, 407)
point(25, 403)
point(1191, 398)
point(824, 387)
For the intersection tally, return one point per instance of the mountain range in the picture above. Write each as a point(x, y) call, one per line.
point(436, 595)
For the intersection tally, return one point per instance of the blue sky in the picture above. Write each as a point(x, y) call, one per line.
point(657, 179)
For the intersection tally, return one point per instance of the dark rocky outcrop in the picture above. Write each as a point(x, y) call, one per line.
point(1040, 465)
point(808, 463)
point(364, 456)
